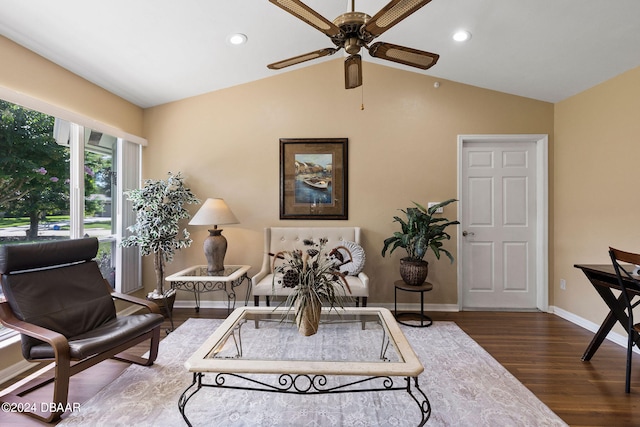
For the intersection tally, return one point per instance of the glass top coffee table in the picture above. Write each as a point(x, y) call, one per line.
point(354, 350)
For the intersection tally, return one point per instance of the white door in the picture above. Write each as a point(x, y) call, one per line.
point(499, 230)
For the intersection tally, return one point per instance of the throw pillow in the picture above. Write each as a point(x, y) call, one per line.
point(348, 257)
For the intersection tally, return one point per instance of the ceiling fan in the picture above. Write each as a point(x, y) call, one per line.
point(352, 31)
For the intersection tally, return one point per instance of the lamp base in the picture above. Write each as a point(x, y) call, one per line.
point(215, 248)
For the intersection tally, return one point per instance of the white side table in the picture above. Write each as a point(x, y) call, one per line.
point(197, 280)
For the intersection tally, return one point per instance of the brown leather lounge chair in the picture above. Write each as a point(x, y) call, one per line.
point(57, 299)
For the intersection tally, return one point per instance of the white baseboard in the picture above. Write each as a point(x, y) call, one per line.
point(427, 307)
point(614, 337)
point(203, 304)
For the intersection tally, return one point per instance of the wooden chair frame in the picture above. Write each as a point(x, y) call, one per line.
point(618, 256)
point(65, 367)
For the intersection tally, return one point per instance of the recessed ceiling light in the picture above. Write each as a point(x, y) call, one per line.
point(237, 39)
point(461, 36)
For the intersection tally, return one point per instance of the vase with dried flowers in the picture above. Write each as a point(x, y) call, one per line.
point(316, 281)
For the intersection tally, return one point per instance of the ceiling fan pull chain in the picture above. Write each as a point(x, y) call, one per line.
point(362, 95)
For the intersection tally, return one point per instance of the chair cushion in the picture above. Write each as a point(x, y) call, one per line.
point(70, 300)
point(45, 254)
point(292, 238)
point(264, 287)
point(349, 257)
point(105, 337)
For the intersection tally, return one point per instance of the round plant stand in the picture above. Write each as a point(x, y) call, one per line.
point(425, 321)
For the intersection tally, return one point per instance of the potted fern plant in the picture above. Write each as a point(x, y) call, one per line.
point(159, 206)
point(420, 231)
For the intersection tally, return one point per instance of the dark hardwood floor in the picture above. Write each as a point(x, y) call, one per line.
point(542, 350)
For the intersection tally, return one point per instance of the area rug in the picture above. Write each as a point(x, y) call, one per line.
point(465, 385)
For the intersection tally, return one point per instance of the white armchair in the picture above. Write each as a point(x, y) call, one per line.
point(277, 239)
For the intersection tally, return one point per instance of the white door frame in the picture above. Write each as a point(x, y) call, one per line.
point(542, 196)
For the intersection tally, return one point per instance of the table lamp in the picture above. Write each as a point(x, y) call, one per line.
point(214, 212)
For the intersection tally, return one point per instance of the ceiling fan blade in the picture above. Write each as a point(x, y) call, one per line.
point(353, 72)
point(308, 15)
point(302, 58)
point(404, 55)
point(394, 12)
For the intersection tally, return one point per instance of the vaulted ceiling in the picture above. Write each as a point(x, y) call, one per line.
point(155, 51)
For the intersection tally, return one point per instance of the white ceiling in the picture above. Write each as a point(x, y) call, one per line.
point(155, 51)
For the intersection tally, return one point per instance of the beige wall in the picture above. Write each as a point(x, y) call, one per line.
point(27, 73)
point(402, 147)
point(597, 147)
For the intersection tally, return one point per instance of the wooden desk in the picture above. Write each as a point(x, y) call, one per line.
point(603, 278)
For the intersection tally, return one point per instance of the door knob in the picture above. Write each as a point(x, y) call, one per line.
point(468, 233)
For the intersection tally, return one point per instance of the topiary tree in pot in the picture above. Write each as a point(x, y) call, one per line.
point(420, 231)
point(159, 206)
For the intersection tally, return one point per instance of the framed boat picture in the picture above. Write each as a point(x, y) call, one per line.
point(313, 178)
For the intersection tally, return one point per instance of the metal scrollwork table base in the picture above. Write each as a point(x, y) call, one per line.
point(196, 279)
point(389, 365)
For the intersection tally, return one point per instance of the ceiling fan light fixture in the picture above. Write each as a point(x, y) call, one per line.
point(237, 39)
point(462, 36)
point(353, 72)
point(352, 46)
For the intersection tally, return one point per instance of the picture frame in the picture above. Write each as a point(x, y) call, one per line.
point(314, 178)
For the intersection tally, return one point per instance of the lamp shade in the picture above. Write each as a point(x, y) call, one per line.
point(214, 212)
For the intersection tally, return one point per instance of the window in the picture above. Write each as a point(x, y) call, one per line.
point(93, 155)
point(59, 180)
point(99, 210)
point(34, 177)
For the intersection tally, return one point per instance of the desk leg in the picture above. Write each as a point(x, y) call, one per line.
point(616, 312)
point(604, 329)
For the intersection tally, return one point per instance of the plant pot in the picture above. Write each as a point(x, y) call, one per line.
point(164, 303)
point(414, 272)
point(308, 320)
